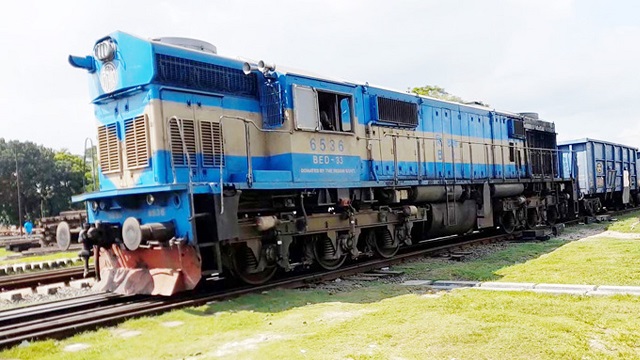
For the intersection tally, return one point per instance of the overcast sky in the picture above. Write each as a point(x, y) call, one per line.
point(574, 62)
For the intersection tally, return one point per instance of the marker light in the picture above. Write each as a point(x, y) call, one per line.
point(105, 50)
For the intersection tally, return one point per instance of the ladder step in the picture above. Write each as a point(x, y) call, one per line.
point(452, 218)
point(210, 272)
point(207, 244)
point(201, 215)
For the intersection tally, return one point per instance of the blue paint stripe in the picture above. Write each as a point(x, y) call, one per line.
point(299, 170)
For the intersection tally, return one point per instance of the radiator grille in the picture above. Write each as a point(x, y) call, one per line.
point(398, 112)
point(108, 148)
point(212, 144)
point(516, 129)
point(136, 141)
point(193, 74)
point(177, 150)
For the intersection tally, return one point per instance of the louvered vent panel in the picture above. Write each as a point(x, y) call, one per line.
point(212, 144)
point(177, 148)
point(108, 148)
point(399, 112)
point(181, 72)
point(136, 142)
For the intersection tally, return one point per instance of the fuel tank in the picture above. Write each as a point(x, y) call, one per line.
point(461, 218)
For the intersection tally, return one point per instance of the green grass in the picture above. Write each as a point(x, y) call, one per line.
point(488, 266)
point(4, 252)
point(629, 223)
point(484, 270)
point(598, 260)
point(589, 261)
point(383, 322)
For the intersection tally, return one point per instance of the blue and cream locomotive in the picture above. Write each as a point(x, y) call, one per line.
point(212, 166)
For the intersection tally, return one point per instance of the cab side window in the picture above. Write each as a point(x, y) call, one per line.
point(345, 113)
point(322, 110)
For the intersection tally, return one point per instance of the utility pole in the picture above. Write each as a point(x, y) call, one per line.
point(18, 186)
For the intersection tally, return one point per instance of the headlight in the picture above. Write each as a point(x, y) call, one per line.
point(108, 77)
point(150, 199)
point(95, 206)
point(105, 50)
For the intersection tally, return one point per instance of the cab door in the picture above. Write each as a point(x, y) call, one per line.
point(323, 147)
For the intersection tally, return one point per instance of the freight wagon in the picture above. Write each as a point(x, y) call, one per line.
point(606, 173)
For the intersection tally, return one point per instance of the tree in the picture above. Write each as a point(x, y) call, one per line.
point(437, 92)
point(69, 179)
point(92, 182)
point(48, 179)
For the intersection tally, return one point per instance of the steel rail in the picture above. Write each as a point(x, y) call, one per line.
point(37, 278)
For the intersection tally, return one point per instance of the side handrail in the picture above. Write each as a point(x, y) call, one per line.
point(168, 135)
point(540, 152)
point(247, 141)
point(185, 152)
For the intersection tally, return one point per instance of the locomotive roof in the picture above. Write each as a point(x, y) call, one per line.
point(288, 70)
point(300, 72)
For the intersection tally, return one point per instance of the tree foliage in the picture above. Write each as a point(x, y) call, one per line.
point(437, 92)
point(47, 178)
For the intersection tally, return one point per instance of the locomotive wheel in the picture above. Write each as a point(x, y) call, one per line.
point(242, 260)
point(322, 246)
point(598, 207)
point(382, 241)
point(63, 236)
point(532, 218)
point(508, 222)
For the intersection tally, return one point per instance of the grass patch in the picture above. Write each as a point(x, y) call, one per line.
point(382, 322)
point(484, 269)
point(598, 260)
point(4, 252)
point(628, 223)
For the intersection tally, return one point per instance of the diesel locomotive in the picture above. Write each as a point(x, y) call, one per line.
point(211, 166)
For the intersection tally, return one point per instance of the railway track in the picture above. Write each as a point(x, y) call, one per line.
point(33, 280)
point(63, 318)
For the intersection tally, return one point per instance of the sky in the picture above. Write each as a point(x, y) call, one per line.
point(576, 63)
